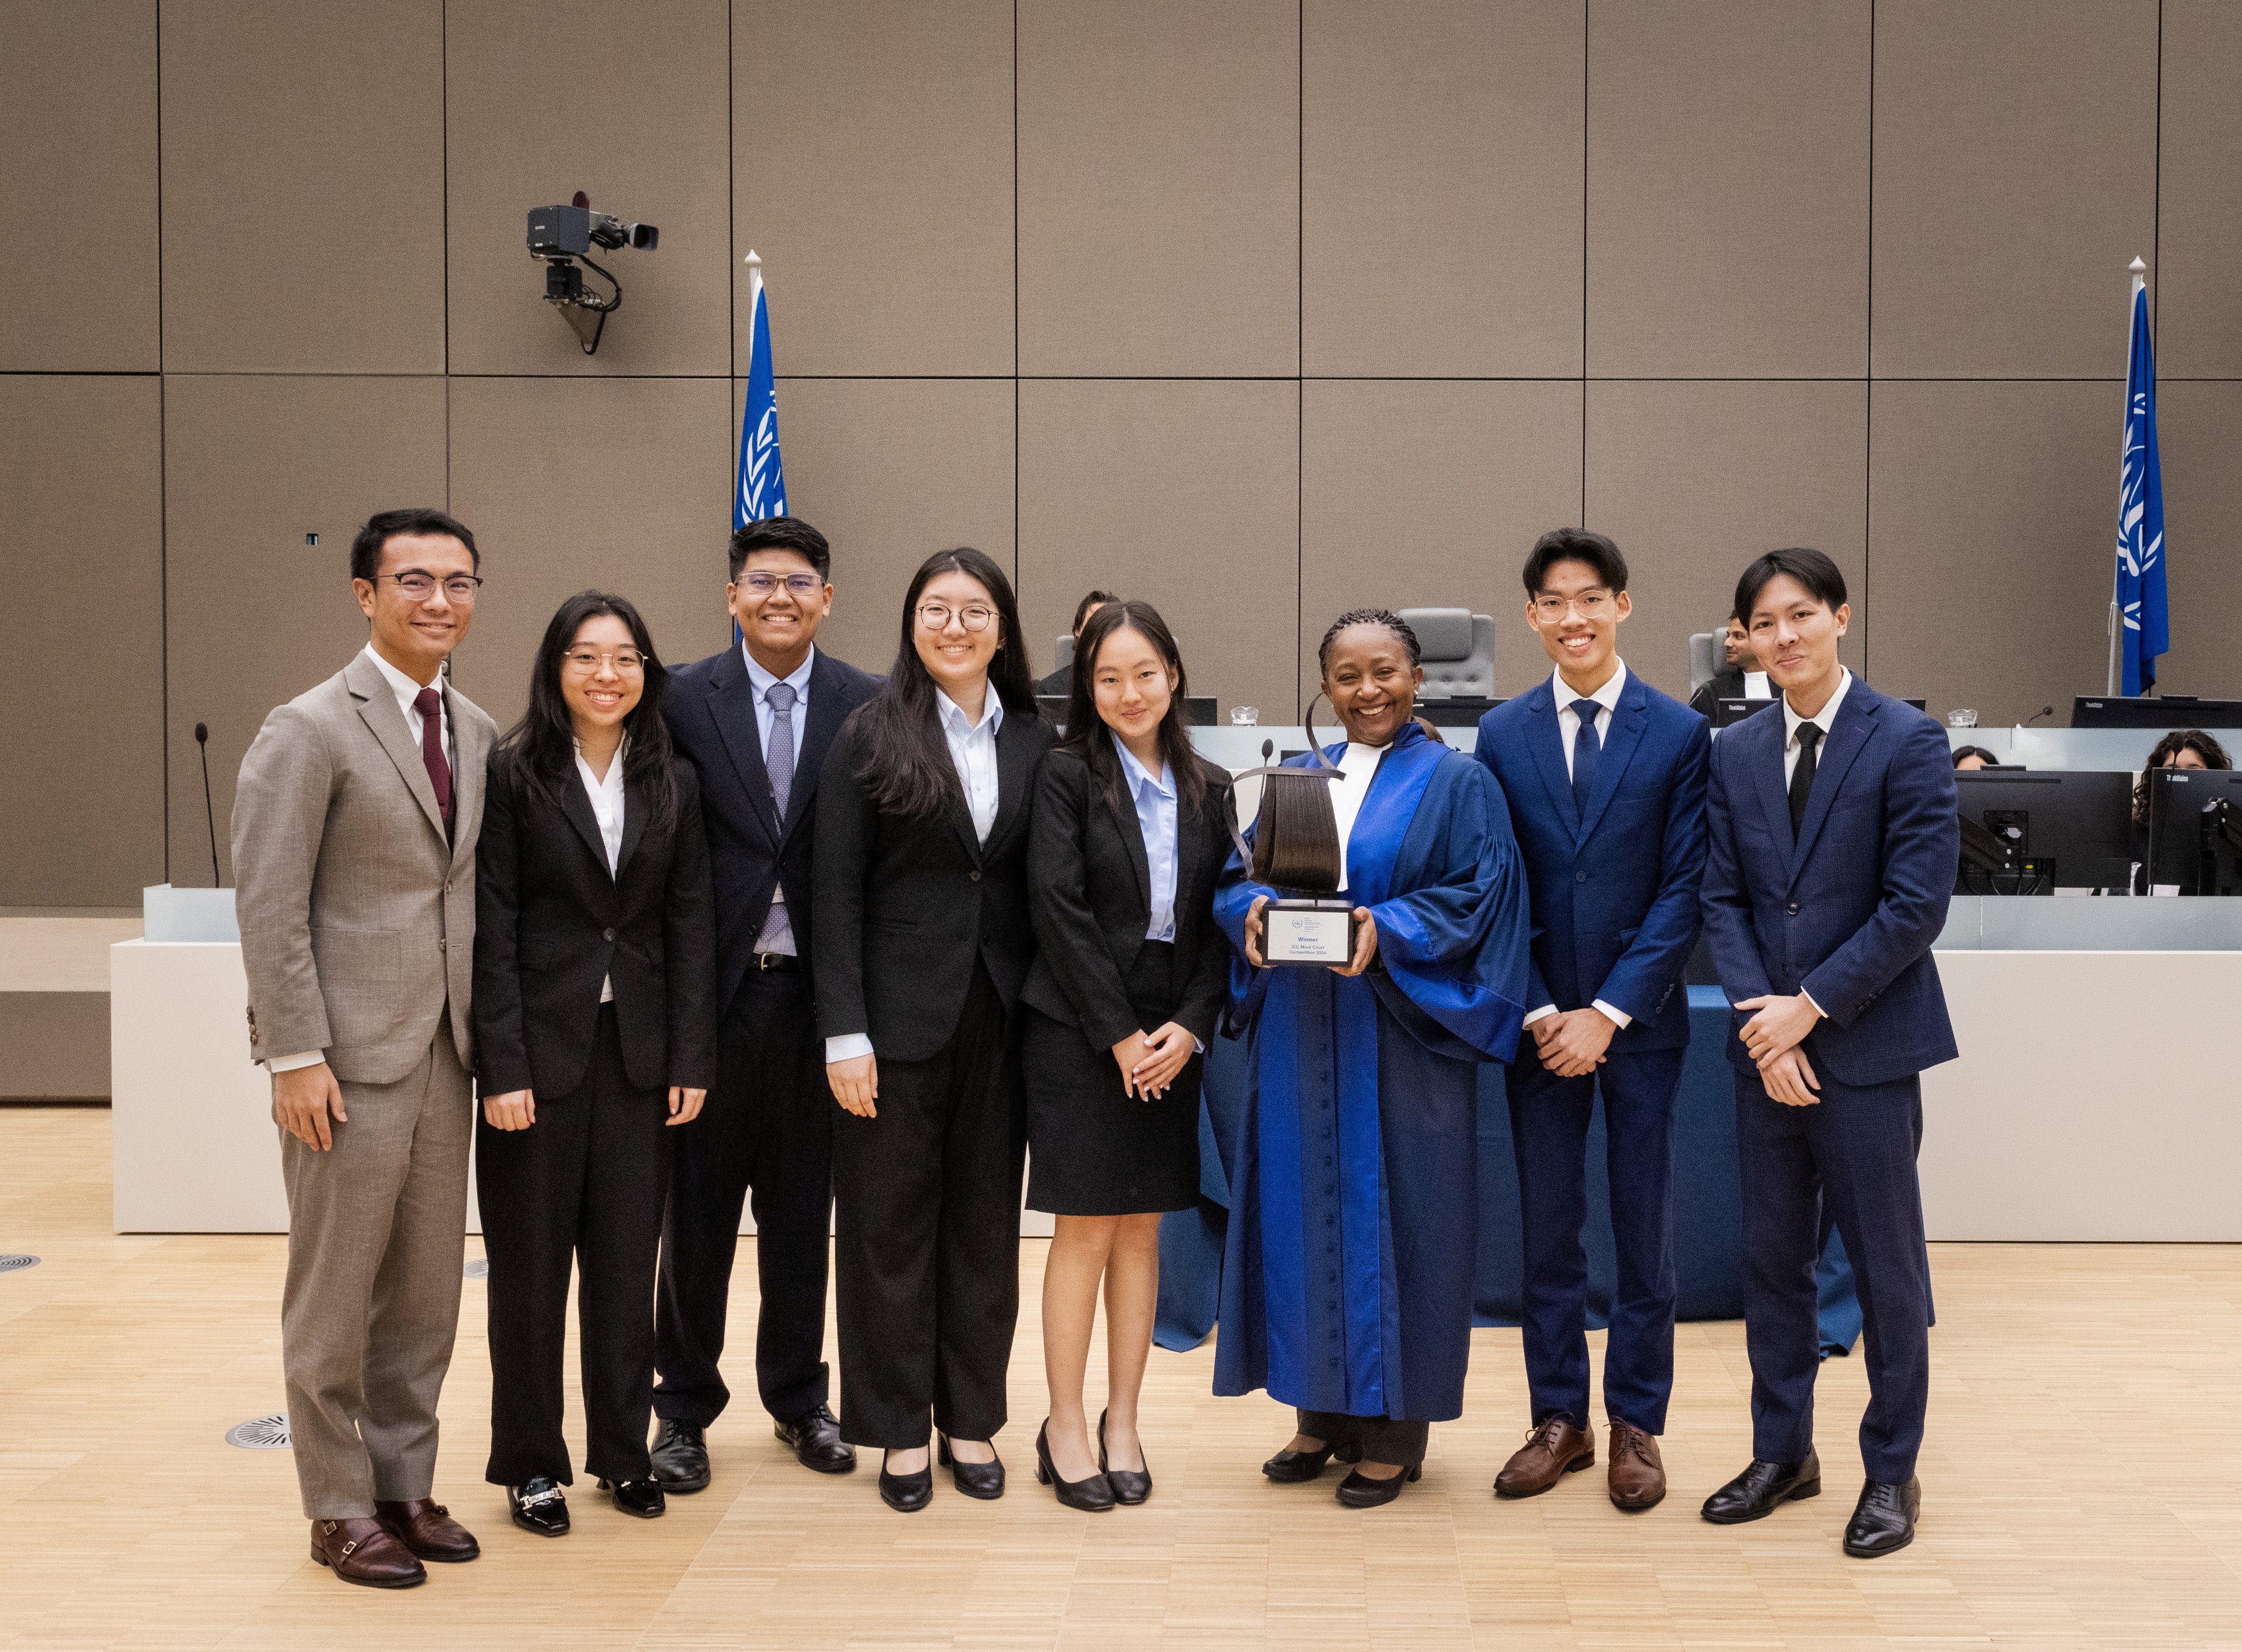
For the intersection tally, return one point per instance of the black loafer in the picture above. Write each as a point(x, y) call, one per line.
point(1291, 1468)
point(906, 1494)
point(640, 1497)
point(817, 1442)
point(1763, 1489)
point(1130, 1486)
point(681, 1457)
point(1884, 1518)
point(538, 1505)
point(1358, 1491)
point(982, 1480)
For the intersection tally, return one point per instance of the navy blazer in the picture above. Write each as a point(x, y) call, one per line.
point(1615, 895)
point(1848, 913)
point(710, 708)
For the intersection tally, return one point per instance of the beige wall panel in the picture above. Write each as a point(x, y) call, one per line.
point(891, 471)
point(1418, 495)
point(1693, 480)
point(2199, 234)
point(1440, 230)
point(621, 484)
point(872, 148)
point(1159, 187)
point(1186, 495)
point(2198, 433)
point(81, 547)
point(253, 615)
point(304, 187)
point(78, 126)
point(1728, 189)
point(2014, 179)
point(1992, 519)
point(647, 141)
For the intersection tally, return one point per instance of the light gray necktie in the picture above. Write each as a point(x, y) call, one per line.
point(778, 763)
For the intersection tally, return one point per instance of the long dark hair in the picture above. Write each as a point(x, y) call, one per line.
point(2166, 750)
point(544, 741)
point(901, 760)
point(1087, 733)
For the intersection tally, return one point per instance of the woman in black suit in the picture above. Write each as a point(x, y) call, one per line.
point(922, 942)
point(1131, 827)
point(594, 1032)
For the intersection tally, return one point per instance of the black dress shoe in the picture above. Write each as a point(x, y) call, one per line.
point(1884, 1518)
point(1763, 1489)
point(906, 1494)
point(1131, 1485)
point(681, 1457)
point(1093, 1495)
point(1358, 1491)
point(538, 1505)
point(1291, 1468)
point(640, 1497)
point(817, 1442)
point(982, 1480)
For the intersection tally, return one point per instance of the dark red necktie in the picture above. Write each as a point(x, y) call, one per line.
point(430, 705)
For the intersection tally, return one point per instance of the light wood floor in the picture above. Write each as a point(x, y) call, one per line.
point(2081, 1491)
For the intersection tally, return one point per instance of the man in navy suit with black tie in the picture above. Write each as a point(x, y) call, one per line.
point(1605, 776)
point(756, 719)
point(1833, 839)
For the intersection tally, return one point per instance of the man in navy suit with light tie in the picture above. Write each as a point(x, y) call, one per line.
point(1834, 836)
point(1605, 776)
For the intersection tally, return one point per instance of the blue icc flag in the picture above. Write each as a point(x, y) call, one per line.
point(761, 492)
point(2139, 604)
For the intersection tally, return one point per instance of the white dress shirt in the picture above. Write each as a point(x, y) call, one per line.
point(781, 939)
point(1825, 719)
point(1568, 725)
point(606, 798)
point(1155, 821)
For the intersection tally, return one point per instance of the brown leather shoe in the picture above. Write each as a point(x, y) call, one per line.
point(427, 1530)
point(1554, 1449)
point(360, 1551)
point(1638, 1478)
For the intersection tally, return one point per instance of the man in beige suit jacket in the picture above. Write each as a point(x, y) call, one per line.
point(354, 830)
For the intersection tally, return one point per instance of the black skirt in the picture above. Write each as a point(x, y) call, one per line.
point(1093, 1150)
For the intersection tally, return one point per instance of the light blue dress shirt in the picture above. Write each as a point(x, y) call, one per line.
point(781, 939)
point(1156, 819)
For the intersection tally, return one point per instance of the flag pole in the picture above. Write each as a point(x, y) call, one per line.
point(2138, 279)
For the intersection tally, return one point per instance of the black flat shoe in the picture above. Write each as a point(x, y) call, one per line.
point(640, 1497)
point(538, 1505)
point(1358, 1491)
point(1130, 1486)
point(906, 1494)
point(681, 1457)
point(1093, 1495)
point(817, 1444)
point(1292, 1468)
point(1883, 1519)
point(1763, 1489)
point(982, 1480)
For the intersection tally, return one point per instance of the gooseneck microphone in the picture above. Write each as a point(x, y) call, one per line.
point(2045, 711)
point(209, 815)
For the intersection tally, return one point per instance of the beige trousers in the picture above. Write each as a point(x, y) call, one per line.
point(376, 1240)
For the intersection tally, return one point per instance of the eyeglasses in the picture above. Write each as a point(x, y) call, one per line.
point(803, 585)
point(937, 615)
point(458, 587)
point(627, 661)
point(1589, 605)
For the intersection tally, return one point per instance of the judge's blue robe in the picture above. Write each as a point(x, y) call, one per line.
point(1347, 1271)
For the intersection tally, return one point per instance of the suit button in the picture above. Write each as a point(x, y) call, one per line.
point(606, 935)
point(1580, 877)
point(1793, 909)
point(975, 876)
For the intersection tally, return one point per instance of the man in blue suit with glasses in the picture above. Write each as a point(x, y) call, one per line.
point(1605, 776)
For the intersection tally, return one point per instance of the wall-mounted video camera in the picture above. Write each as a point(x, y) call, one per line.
point(563, 236)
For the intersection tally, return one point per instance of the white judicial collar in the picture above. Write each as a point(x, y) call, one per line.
point(1358, 767)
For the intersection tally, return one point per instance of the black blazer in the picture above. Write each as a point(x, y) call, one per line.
point(711, 711)
point(1728, 683)
point(551, 924)
point(904, 907)
point(1090, 891)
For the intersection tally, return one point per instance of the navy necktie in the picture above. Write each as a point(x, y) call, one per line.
point(1586, 750)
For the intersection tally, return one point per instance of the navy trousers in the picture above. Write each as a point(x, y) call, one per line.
point(1549, 1120)
point(1856, 1149)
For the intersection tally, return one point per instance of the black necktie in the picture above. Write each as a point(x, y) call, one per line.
point(1801, 777)
point(1586, 749)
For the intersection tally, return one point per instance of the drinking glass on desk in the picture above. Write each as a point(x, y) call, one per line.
point(1244, 716)
point(1961, 717)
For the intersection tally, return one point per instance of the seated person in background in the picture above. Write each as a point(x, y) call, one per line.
point(1062, 680)
point(1740, 678)
point(1970, 758)
point(2183, 748)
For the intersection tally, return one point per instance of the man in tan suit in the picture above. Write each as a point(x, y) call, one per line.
point(354, 830)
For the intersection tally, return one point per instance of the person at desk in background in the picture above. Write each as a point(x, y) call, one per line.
point(595, 1034)
point(756, 719)
point(354, 832)
point(1740, 678)
point(1347, 1275)
point(1833, 833)
point(1131, 828)
point(1968, 760)
point(1061, 681)
point(2183, 748)
point(1605, 778)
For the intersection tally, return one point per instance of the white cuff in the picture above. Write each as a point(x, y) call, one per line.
point(1543, 1013)
point(1809, 997)
point(848, 1047)
point(1613, 1012)
point(290, 1063)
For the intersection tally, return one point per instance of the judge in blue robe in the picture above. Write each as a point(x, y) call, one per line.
point(1347, 1278)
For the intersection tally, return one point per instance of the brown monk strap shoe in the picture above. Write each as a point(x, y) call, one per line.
point(427, 1530)
point(1554, 1449)
point(360, 1551)
point(1638, 1478)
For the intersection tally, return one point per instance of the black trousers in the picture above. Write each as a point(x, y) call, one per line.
point(927, 1237)
point(1382, 1439)
point(586, 1182)
point(769, 1128)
